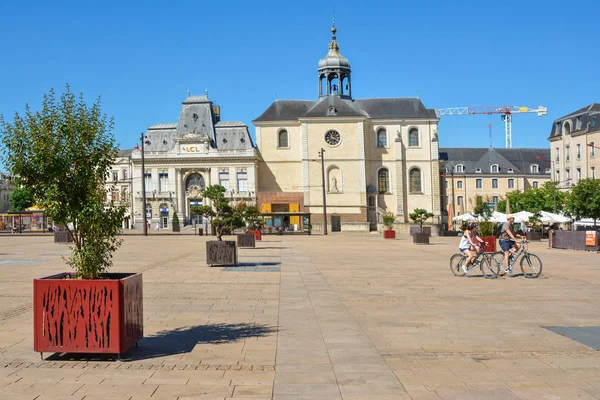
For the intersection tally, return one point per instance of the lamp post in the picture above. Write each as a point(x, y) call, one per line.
point(322, 155)
point(143, 140)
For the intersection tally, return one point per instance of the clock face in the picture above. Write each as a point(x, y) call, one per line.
point(333, 138)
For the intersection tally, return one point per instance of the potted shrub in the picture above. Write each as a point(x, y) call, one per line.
point(486, 228)
point(223, 219)
point(487, 231)
point(63, 154)
point(388, 221)
point(254, 222)
point(536, 227)
point(419, 216)
point(175, 222)
point(246, 239)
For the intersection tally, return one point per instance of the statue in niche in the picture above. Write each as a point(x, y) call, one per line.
point(334, 186)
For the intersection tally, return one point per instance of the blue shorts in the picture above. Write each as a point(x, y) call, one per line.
point(506, 244)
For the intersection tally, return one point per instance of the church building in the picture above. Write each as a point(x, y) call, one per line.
point(380, 155)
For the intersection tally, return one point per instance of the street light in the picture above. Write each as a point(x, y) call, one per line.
point(322, 156)
point(143, 139)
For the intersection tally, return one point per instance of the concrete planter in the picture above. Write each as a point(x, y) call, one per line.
point(246, 240)
point(421, 238)
point(62, 237)
point(88, 316)
point(176, 228)
point(491, 243)
point(257, 234)
point(221, 252)
point(389, 234)
point(531, 236)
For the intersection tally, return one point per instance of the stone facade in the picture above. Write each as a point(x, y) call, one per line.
point(380, 154)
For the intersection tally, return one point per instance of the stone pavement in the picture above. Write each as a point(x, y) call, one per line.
point(347, 316)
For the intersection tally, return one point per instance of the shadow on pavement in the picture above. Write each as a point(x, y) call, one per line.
point(177, 341)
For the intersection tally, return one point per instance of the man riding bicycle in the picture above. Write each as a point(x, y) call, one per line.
point(508, 240)
point(469, 244)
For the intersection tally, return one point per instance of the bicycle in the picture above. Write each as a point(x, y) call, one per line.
point(531, 265)
point(489, 266)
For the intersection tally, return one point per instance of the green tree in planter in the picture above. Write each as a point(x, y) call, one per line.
point(481, 211)
point(20, 199)
point(62, 155)
point(389, 219)
point(419, 216)
point(220, 213)
point(252, 219)
point(175, 220)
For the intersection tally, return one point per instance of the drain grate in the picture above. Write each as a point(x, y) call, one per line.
point(252, 269)
point(587, 335)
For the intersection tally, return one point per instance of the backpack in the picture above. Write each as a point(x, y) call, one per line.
point(499, 231)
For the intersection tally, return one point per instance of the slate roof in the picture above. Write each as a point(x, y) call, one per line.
point(584, 116)
point(375, 108)
point(124, 153)
point(519, 160)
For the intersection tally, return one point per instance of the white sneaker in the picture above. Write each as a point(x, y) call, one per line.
point(465, 269)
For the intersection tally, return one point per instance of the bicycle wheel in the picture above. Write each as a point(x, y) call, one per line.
point(489, 267)
point(499, 258)
point(456, 262)
point(531, 265)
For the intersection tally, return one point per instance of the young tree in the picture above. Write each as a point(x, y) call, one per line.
point(389, 219)
point(221, 215)
point(419, 216)
point(251, 216)
point(20, 199)
point(62, 155)
point(584, 200)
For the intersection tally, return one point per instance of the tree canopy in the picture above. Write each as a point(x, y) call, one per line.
point(62, 155)
point(20, 199)
point(220, 213)
point(533, 200)
point(584, 200)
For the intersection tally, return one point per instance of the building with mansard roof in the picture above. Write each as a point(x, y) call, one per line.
point(381, 154)
point(489, 173)
point(574, 142)
point(181, 159)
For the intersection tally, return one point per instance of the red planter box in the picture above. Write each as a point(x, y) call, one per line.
point(257, 234)
point(87, 316)
point(491, 243)
point(389, 234)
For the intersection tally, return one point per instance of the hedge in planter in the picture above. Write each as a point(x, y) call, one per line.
point(419, 216)
point(388, 221)
point(254, 222)
point(175, 222)
point(63, 155)
point(223, 218)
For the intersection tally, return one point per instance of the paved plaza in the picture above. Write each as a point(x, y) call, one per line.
point(346, 316)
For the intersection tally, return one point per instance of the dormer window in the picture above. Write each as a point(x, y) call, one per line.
point(459, 168)
point(535, 168)
point(478, 171)
point(331, 111)
point(567, 128)
point(494, 169)
point(511, 171)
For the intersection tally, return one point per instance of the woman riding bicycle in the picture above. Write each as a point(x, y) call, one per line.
point(469, 244)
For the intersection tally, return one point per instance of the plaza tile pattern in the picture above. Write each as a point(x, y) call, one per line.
point(347, 316)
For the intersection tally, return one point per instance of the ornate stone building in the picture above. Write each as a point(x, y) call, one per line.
point(182, 158)
point(381, 154)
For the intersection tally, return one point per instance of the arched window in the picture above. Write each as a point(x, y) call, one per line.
point(567, 128)
point(414, 177)
point(381, 138)
point(283, 139)
point(383, 181)
point(494, 169)
point(413, 137)
point(459, 168)
point(148, 210)
point(536, 185)
point(535, 168)
point(195, 180)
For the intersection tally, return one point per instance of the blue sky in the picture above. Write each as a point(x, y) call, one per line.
point(143, 57)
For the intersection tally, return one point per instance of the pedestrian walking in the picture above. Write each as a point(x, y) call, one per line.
point(157, 227)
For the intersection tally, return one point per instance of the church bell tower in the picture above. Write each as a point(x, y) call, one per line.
point(334, 71)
